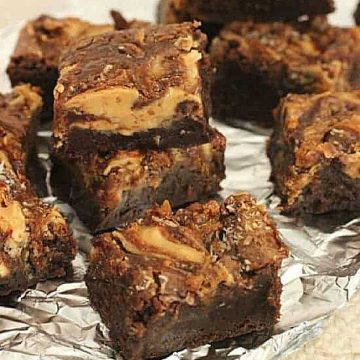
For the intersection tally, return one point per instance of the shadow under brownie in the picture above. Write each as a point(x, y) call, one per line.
point(173, 280)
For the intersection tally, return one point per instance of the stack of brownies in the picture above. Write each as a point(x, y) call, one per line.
point(133, 131)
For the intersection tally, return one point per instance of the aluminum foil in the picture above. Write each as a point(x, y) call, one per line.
point(55, 321)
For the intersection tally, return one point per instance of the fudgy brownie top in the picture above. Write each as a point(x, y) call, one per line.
point(150, 75)
point(220, 11)
point(319, 129)
point(293, 58)
point(106, 178)
point(45, 38)
point(186, 256)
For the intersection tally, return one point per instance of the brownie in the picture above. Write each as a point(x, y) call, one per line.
point(258, 63)
point(151, 93)
point(19, 116)
point(315, 152)
point(36, 56)
point(215, 14)
point(106, 192)
point(174, 280)
point(35, 240)
point(225, 11)
point(357, 15)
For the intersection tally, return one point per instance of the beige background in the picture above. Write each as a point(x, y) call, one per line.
point(341, 337)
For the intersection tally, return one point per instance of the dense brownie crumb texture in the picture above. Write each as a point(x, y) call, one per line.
point(35, 241)
point(107, 191)
point(315, 152)
point(174, 280)
point(258, 63)
point(39, 47)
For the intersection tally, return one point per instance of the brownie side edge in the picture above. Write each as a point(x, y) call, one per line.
point(248, 312)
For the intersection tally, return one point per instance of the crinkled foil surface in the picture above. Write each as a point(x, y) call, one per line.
point(55, 320)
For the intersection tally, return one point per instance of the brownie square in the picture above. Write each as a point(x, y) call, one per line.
point(36, 242)
point(36, 56)
point(315, 152)
point(214, 14)
point(175, 280)
point(258, 63)
point(108, 191)
point(151, 93)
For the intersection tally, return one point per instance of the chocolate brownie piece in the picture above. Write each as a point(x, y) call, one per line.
point(315, 152)
point(357, 15)
point(19, 115)
point(36, 56)
point(167, 14)
point(152, 91)
point(225, 11)
point(35, 241)
point(257, 64)
point(215, 14)
point(106, 192)
point(175, 280)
